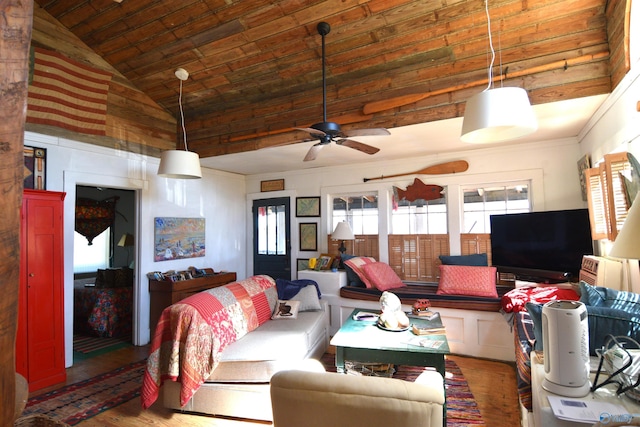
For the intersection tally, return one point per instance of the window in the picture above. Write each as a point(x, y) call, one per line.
point(272, 230)
point(360, 211)
point(482, 202)
point(420, 217)
point(89, 258)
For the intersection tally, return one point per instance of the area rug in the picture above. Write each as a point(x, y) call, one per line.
point(462, 410)
point(85, 347)
point(80, 401)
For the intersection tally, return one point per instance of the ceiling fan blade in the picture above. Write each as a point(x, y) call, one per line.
point(312, 131)
point(366, 132)
point(313, 152)
point(367, 149)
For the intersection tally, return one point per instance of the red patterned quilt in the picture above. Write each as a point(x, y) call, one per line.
point(191, 334)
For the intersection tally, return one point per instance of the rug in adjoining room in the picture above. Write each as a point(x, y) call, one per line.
point(85, 347)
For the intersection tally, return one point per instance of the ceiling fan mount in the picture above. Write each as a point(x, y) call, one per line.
point(326, 132)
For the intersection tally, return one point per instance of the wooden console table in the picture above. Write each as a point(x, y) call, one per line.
point(163, 293)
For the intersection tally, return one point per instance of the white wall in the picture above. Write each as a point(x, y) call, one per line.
point(551, 167)
point(219, 198)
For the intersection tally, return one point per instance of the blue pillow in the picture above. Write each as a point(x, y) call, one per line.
point(476, 260)
point(352, 278)
point(597, 296)
point(602, 321)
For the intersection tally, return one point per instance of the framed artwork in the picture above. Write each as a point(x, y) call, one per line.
point(178, 238)
point(325, 262)
point(308, 206)
point(308, 236)
point(272, 185)
point(35, 168)
point(583, 164)
point(302, 264)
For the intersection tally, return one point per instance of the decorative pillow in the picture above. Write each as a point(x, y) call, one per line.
point(467, 280)
point(478, 260)
point(287, 289)
point(597, 296)
point(382, 276)
point(352, 277)
point(356, 265)
point(286, 309)
point(308, 297)
point(602, 321)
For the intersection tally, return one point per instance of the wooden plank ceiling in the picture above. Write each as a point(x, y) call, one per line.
point(256, 72)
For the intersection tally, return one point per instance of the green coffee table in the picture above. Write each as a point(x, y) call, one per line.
point(363, 341)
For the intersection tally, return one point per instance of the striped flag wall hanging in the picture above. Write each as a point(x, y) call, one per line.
point(67, 94)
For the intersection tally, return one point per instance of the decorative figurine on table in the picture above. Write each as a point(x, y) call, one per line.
point(392, 316)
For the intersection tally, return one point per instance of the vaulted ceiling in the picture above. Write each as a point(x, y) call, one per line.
point(256, 72)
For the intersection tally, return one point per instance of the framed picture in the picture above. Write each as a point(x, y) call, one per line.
point(325, 262)
point(272, 185)
point(308, 236)
point(302, 264)
point(178, 238)
point(35, 168)
point(308, 206)
point(583, 164)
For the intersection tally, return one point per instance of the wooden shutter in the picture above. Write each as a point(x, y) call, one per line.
point(606, 196)
point(414, 257)
point(363, 245)
point(476, 243)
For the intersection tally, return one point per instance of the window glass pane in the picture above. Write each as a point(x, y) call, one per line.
point(360, 211)
point(482, 202)
point(89, 258)
point(420, 217)
point(271, 230)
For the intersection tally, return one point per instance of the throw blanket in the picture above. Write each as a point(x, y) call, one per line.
point(191, 334)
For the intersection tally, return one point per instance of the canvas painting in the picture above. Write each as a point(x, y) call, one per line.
point(178, 238)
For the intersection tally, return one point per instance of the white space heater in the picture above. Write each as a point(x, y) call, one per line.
point(565, 339)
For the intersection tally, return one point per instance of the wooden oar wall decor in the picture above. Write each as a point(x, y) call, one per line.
point(456, 166)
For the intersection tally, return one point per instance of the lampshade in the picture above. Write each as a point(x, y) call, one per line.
point(627, 243)
point(498, 114)
point(179, 164)
point(343, 232)
point(126, 240)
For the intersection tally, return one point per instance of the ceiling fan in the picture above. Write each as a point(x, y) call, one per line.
point(326, 132)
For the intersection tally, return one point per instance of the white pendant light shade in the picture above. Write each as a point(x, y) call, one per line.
point(179, 164)
point(496, 115)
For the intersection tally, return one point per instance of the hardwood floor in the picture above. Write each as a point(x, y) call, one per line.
point(492, 383)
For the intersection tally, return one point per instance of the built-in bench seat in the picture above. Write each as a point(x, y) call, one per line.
point(414, 291)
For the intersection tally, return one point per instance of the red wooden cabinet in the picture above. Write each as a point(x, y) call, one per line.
point(40, 336)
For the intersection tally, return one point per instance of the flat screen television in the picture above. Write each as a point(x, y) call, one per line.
point(544, 247)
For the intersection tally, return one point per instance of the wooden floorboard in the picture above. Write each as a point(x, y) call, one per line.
point(492, 383)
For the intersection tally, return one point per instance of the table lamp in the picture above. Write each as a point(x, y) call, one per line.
point(627, 243)
point(342, 232)
point(126, 241)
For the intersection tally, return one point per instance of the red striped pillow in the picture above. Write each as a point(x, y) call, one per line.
point(467, 280)
point(356, 265)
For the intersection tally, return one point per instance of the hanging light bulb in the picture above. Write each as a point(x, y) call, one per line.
point(497, 114)
point(180, 164)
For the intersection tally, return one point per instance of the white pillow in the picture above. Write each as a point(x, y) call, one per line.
point(308, 297)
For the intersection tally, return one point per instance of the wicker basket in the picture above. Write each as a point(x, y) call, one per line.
point(369, 369)
point(38, 420)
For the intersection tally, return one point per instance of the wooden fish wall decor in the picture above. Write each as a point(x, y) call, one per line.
point(418, 190)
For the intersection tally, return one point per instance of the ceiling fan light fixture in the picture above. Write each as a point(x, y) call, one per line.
point(180, 164)
point(497, 115)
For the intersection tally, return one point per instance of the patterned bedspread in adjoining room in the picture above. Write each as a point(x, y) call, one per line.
point(103, 312)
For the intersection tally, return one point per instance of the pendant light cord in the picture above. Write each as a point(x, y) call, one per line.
point(184, 130)
point(493, 53)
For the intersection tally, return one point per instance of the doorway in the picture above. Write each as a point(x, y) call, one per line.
point(104, 248)
point(272, 238)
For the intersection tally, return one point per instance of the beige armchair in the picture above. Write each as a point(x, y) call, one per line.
point(312, 399)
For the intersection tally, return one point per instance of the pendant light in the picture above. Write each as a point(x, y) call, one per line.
point(180, 164)
point(497, 114)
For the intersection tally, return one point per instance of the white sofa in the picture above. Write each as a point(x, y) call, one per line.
point(239, 386)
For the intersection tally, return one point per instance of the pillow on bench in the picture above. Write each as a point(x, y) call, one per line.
point(467, 280)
